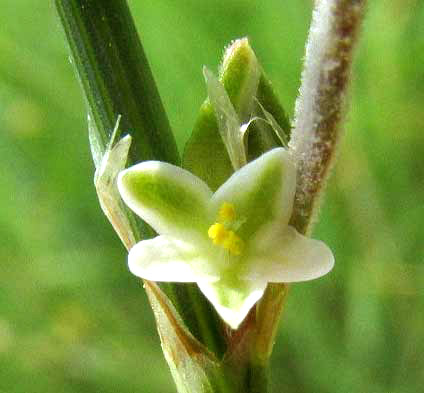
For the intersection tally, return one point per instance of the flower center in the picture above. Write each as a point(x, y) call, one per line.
point(223, 234)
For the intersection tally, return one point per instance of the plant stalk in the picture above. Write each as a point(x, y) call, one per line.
point(321, 104)
point(117, 82)
point(319, 113)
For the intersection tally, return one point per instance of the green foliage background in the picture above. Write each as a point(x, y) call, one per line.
point(72, 318)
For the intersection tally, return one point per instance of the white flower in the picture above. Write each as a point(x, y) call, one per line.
point(231, 242)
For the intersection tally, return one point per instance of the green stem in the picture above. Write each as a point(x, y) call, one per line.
point(116, 77)
point(117, 80)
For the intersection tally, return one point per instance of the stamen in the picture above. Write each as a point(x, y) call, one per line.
point(217, 233)
point(227, 212)
point(233, 243)
point(226, 238)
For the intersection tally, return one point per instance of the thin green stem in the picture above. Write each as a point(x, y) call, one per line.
point(117, 80)
point(116, 77)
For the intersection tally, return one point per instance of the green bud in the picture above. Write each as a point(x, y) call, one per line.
point(251, 119)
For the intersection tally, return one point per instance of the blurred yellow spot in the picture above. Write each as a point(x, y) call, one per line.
point(226, 212)
point(71, 323)
point(217, 233)
point(7, 337)
point(233, 243)
point(23, 117)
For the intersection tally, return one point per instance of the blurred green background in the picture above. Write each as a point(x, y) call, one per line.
point(72, 318)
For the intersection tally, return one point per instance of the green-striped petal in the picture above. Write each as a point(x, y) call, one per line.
point(233, 298)
point(168, 259)
point(170, 199)
point(288, 256)
point(261, 192)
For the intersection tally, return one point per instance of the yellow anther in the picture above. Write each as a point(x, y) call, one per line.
point(233, 243)
point(217, 233)
point(226, 212)
point(220, 235)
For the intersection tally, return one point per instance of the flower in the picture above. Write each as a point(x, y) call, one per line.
point(231, 242)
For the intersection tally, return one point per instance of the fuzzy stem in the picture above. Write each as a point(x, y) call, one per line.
point(317, 127)
point(321, 103)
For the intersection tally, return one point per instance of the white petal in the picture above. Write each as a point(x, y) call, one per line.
point(168, 259)
point(262, 192)
point(170, 199)
point(290, 257)
point(233, 299)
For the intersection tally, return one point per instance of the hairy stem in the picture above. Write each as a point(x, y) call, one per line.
point(319, 112)
point(321, 103)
